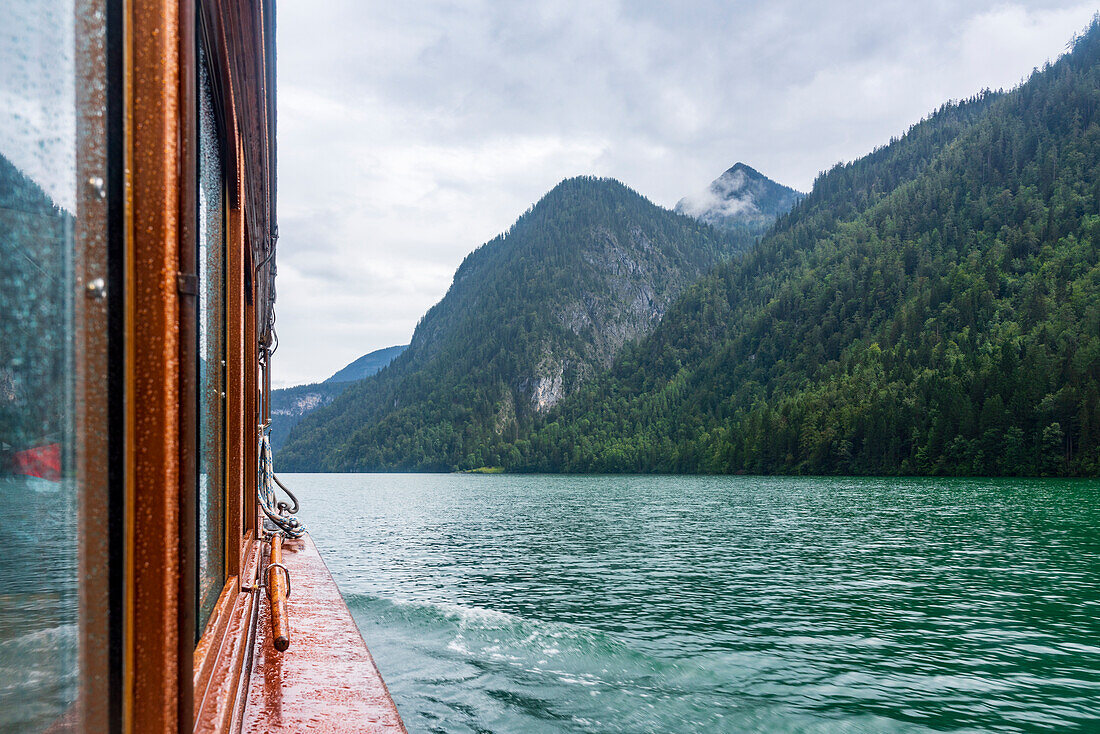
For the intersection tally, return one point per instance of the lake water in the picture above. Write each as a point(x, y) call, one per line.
point(38, 602)
point(721, 604)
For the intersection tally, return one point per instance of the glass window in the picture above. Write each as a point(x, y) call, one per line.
point(212, 351)
point(39, 614)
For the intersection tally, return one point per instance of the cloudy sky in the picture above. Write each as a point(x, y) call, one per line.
point(412, 132)
point(37, 122)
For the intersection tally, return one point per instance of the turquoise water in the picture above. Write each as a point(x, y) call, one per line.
point(721, 604)
point(38, 602)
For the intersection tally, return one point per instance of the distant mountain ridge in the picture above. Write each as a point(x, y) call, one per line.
point(530, 316)
point(368, 364)
point(289, 404)
point(741, 198)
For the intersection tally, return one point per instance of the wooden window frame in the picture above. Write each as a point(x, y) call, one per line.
point(169, 683)
point(222, 657)
point(99, 346)
point(213, 54)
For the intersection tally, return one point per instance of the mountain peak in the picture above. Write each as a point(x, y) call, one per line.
point(581, 189)
point(749, 170)
point(741, 198)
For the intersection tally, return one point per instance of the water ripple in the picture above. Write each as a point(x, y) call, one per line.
point(652, 604)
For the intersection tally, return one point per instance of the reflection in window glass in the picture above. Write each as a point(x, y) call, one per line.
point(38, 488)
point(212, 325)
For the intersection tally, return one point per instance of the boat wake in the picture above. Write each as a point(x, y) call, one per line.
point(38, 677)
point(455, 668)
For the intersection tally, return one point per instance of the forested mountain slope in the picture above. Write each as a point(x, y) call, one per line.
point(289, 404)
point(931, 308)
point(36, 239)
point(530, 316)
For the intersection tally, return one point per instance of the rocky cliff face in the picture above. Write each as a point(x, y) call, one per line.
point(547, 388)
point(303, 403)
point(632, 282)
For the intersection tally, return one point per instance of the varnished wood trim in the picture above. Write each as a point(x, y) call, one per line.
point(129, 448)
point(158, 688)
point(188, 358)
point(206, 652)
point(237, 429)
point(161, 408)
point(240, 695)
point(277, 589)
point(91, 333)
point(223, 653)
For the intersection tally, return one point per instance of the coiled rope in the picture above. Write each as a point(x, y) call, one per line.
point(283, 515)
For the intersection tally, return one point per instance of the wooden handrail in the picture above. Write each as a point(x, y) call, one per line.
point(278, 589)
